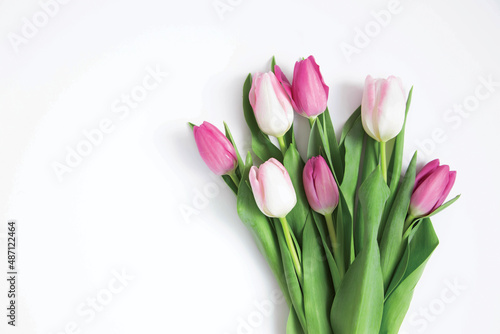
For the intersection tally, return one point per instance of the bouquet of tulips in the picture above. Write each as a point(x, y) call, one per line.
point(346, 236)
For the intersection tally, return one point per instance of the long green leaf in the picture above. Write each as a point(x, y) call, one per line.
point(241, 166)
point(394, 172)
point(292, 281)
point(327, 246)
point(335, 156)
point(318, 294)
point(358, 305)
point(391, 245)
point(295, 166)
point(418, 252)
point(370, 162)
point(293, 325)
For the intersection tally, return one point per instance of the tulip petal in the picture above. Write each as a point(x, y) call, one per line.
point(425, 172)
point(391, 107)
point(429, 192)
point(446, 191)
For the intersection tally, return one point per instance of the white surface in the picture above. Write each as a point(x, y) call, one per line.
point(119, 209)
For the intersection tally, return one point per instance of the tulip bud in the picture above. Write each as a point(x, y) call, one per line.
point(320, 186)
point(271, 104)
point(272, 188)
point(383, 108)
point(215, 149)
point(432, 185)
point(309, 92)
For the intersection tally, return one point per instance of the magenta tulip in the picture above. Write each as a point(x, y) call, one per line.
point(272, 188)
point(308, 91)
point(320, 186)
point(432, 185)
point(215, 149)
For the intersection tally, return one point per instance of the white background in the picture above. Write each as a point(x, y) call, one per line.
point(120, 208)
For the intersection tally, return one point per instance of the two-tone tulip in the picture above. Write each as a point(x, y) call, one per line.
point(432, 185)
point(383, 112)
point(308, 91)
point(275, 196)
point(272, 188)
point(383, 108)
point(215, 149)
point(271, 105)
point(320, 186)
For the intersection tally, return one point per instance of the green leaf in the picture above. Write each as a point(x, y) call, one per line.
point(335, 156)
point(318, 294)
point(370, 162)
point(315, 143)
point(394, 170)
point(248, 165)
point(273, 63)
point(349, 124)
point(295, 166)
point(357, 307)
point(230, 183)
point(353, 148)
point(263, 234)
point(391, 245)
point(261, 144)
point(289, 137)
point(418, 252)
point(191, 125)
point(373, 194)
point(293, 324)
point(292, 281)
point(327, 246)
point(241, 166)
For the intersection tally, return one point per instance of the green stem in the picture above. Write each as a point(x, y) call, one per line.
point(291, 248)
point(281, 140)
point(336, 246)
point(383, 160)
point(235, 178)
point(407, 225)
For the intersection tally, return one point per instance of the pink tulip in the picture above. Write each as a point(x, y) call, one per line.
point(320, 186)
point(271, 104)
point(272, 188)
point(432, 185)
point(383, 108)
point(215, 149)
point(308, 90)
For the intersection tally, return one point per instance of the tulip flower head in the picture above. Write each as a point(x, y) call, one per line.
point(271, 104)
point(320, 186)
point(432, 185)
point(383, 108)
point(309, 92)
point(272, 188)
point(215, 149)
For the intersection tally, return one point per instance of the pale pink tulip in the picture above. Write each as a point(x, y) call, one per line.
point(383, 108)
point(272, 188)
